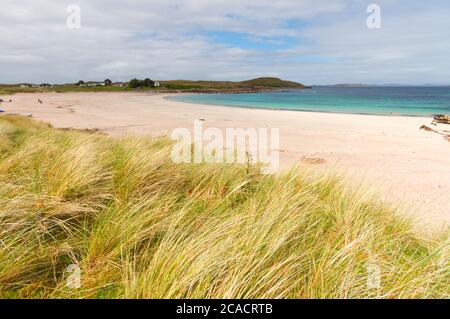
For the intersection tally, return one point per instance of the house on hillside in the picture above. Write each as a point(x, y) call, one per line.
point(156, 84)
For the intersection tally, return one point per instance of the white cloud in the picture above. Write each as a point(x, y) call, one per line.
point(166, 39)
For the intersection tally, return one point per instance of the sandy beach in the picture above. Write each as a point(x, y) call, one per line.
point(391, 153)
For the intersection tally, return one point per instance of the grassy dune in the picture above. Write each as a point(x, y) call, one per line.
point(13, 89)
point(140, 226)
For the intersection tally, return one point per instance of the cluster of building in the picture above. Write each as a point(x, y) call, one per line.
point(83, 84)
point(95, 83)
point(103, 83)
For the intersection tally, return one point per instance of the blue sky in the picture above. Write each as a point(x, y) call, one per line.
point(310, 41)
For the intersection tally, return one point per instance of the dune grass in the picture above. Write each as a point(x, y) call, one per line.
point(140, 226)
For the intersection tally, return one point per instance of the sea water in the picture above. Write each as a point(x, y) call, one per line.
point(410, 101)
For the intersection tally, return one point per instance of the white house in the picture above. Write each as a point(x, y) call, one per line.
point(157, 85)
point(95, 83)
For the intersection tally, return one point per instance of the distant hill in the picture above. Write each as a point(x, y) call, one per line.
point(254, 84)
point(272, 83)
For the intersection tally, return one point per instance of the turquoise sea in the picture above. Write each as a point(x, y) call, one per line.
point(411, 101)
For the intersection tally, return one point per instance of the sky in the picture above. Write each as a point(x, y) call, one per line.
point(309, 41)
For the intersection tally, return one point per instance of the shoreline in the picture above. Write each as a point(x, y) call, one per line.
point(168, 95)
point(390, 152)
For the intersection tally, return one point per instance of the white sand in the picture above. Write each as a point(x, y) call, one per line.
point(405, 163)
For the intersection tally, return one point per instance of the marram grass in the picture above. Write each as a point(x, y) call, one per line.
point(140, 226)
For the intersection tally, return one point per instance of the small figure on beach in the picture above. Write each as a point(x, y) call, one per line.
point(39, 101)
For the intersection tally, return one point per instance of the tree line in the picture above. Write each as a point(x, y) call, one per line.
point(134, 83)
